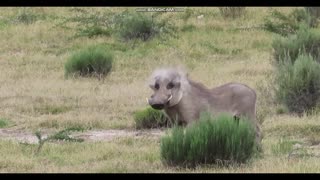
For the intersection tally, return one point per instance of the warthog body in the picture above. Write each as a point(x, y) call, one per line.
point(183, 99)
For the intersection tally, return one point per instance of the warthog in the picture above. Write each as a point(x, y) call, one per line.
point(183, 99)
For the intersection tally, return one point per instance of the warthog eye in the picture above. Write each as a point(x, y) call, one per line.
point(156, 86)
point(170, 85)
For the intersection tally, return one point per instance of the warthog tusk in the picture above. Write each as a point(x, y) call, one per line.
point(147, 100)
point(170, 98)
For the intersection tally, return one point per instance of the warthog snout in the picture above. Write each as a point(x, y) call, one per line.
point(157, 106)
point(159, 103)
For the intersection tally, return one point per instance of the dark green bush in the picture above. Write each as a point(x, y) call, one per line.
point(305, 41)
point(209, 141)
point(285, 25)
point(135, 25)
point(150, 118)
point(299, 84)
point(232, 12)
point(94, 60)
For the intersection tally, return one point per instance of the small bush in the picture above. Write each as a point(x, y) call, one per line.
point(134, 25)
point(209, 141)
point(232, 12)
point(94, 60)
point(299, 84)
point(150, 118)
point(305, 41)
point(286, 25)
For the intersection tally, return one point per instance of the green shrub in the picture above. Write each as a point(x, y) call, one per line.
point(150, 118)
point(94, 60)
point(285, 25)
point(299, 84)
point(305, 41)
point(134, 25)
point(209, 141)
point(232, 12)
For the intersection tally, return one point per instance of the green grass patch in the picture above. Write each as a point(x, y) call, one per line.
point(4, 122)
point(91, 61)
point(150, 118)
point(283, 146)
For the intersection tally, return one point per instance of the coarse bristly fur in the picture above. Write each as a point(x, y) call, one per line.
point(186, 99)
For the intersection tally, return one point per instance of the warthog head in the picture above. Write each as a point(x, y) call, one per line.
point(168, 85)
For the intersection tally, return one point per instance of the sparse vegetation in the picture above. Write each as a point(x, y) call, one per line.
point(209, 141)
point(232, 12)
point(51, 109)
point(63, 135)
point(88, 23)
point(90, 61)
point(26, 16)
point(150, 118)
point(285, 25)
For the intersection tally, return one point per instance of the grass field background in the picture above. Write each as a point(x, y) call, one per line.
point(34, 94)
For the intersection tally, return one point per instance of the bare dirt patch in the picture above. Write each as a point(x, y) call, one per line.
point(92, 135)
